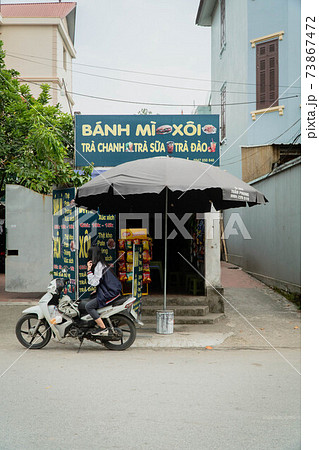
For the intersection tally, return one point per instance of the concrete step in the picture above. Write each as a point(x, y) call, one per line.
point(172, 300)
point(181, 320)
point(196, 310)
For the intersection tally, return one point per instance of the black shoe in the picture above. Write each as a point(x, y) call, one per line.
point(100, 332)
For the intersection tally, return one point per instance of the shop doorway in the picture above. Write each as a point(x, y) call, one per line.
point(181, 278)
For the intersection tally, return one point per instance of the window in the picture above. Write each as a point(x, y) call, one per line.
point(222, 25)
point(267, 74)
point(64, 59)
point(223, 112)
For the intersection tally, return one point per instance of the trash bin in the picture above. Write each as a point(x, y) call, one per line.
point(165, 322)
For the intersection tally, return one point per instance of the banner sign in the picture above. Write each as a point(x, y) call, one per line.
point(107, 141)
point(74, 232)
point(94, 229)
point(64, 254)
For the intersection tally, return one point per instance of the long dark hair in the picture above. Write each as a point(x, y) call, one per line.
point(95, 255)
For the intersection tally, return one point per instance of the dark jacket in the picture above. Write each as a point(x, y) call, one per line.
point(108, 288)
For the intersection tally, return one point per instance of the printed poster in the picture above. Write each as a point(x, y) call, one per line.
point(94, 229)
point(64, 252)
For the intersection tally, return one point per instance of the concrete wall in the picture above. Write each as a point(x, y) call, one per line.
point(273, 253)
point(29, 231)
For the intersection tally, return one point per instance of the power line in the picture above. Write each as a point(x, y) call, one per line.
point(146, 103)
point(14, 55)
point(72, 146)
point(133, 81)
point(272, 140)
point(268, 142)
point(54, 127)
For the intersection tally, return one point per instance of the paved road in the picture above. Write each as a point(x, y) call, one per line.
point(244, 393)
point(55, 398)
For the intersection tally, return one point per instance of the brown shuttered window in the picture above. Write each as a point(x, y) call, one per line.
point(267, 74)
point(222, 24)
point(223, 113)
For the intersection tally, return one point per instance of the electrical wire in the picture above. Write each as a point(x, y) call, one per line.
point(146, 103)
point(54, 127)
point(268, 142)
point(133, 81)
point(146, 73)
point(290, 146)
point(62, 135)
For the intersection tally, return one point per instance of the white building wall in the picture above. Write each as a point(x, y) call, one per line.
point(36, 52)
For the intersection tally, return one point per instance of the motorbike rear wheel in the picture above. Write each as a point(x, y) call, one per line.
point(26, 334)
point(126, 329)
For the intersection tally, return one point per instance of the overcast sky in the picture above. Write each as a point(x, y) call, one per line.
point(157, 37)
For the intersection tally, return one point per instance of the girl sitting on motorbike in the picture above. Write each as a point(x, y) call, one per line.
point(108, 287)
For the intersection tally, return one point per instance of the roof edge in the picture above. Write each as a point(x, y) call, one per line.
point(282, 168)
point(205, 12)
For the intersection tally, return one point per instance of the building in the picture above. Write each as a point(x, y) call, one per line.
point(39, 43)
point(38, 40)
point(255, 72)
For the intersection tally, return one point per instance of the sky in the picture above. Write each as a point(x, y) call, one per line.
point(158, 38)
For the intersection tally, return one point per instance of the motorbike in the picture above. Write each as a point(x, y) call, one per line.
point(58, 315)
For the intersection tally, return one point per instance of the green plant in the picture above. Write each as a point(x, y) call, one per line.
point(36, 139)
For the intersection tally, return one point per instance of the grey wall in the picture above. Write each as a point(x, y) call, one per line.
point(273, 253)
point(29, 230)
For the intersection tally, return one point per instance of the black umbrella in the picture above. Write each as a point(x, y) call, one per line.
point(166, 183)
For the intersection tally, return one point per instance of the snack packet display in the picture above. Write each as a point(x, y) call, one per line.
point(129, 257)
point(129, 276)
point(121, 244)
point(146, 256)
point(122, 267)
point(146, 277)
point(122, 276)
point(126, 257)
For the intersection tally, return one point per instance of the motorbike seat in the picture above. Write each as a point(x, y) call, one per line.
point(118, 301)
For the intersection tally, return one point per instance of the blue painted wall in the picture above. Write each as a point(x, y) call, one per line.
point(274, 250)
point(236, 66)
point(267, 17)
point(230, 67)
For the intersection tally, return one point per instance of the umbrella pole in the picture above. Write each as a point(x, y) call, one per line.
point(165, 246)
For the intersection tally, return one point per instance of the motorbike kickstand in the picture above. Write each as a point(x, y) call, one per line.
point(81, 342)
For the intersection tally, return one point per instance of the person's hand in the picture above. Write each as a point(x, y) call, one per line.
point(89, 265)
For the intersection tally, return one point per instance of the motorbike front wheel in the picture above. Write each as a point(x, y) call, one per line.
point(126, 333)
point(31, 335)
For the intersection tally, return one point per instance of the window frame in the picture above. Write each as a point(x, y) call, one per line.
point(267, 70)
point(222, 4)
point(65, 67)
point(223, 113)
